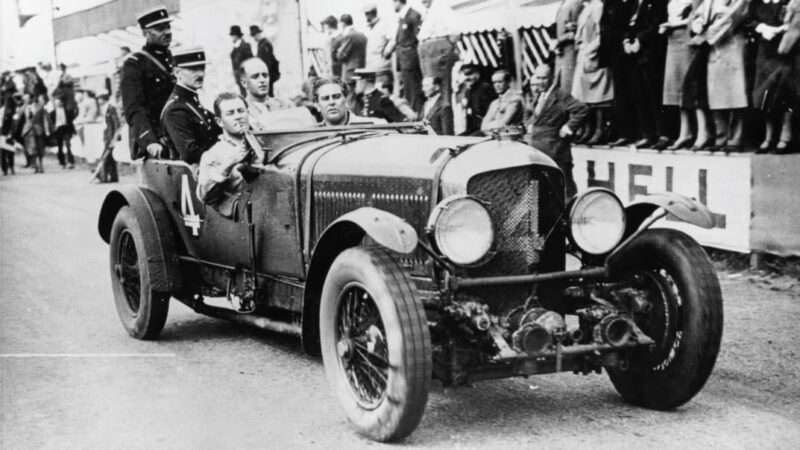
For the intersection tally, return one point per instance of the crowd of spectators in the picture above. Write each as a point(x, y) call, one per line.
point(42, 108)
point(663, 74)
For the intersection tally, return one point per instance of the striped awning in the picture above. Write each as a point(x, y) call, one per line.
point(536, 44)
point(485, 48)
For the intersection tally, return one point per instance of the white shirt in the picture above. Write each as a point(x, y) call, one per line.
point(436, 22)
point(378, 35)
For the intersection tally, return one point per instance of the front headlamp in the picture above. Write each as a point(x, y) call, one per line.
point(462, 229)
point(597, 221)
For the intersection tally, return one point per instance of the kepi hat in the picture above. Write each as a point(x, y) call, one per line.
point(189, 57)
point(153, 17)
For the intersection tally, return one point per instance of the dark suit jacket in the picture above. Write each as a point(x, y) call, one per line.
point(351, 52)
point(441, 117)
point(267, 54)
point(238, 55)
point(559, 109)
point(406, 41)
point(645, 20)
point(478, 99)
point(336, 65)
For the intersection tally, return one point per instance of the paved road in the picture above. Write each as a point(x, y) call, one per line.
point(70, 377)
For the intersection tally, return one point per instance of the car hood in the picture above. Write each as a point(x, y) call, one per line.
point(420, 156)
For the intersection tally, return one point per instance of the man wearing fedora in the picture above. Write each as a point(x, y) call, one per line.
point(266, 53)
point(146, 81)
point(190, 128)
point(241, 51)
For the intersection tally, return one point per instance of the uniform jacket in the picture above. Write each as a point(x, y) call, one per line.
point(559, 109)
point(351, 52)
point(440, 117)
point(190, 128)
point(406, 40)
point(476, 101)
point(240, 53)
point(145, 86)
point(377, 104)
point(266, 53)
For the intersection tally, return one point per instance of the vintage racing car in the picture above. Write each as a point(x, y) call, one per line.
point(402, 256)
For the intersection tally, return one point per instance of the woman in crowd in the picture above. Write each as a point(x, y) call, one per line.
point(592, 83)
point(727, 88)
point(679, 56)
point(790, 47)
point(773, 91)
point(564, 45)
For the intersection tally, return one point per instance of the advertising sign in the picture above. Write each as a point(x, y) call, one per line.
point(722, 183)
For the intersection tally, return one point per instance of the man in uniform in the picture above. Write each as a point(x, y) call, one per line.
point(376, 103)
point(146, 81)
point(190, 128)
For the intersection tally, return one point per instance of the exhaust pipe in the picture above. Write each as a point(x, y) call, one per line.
point(614, 330)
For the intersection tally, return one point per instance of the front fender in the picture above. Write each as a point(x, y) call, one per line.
point(161, 241)
point(679, 206)
point(386, 229)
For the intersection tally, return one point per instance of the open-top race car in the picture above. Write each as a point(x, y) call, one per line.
point(402, 256)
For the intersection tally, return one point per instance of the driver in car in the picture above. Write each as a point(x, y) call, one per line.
point(331, 96)
point(219, 178)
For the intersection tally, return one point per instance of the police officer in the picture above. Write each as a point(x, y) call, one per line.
point(146, 81)
point(189, 128)
point(376, 103)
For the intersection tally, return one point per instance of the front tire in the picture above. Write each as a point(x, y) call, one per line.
point(141, 310)
point(684, 317)
point(375, 343)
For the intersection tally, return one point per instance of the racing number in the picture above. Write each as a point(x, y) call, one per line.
point(190, 218)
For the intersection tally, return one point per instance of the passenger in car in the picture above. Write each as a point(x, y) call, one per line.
point(219, 178)
point(331, 96)
point(269, 113)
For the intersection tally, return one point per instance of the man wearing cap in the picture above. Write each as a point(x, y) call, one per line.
point(477, 98)
point(146, 81)
point(376, 103)
point(241, 51)
point(190, 128)
point(267, 54)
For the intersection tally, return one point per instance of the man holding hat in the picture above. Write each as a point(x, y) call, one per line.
point(146, 80)
point(190, 128)
point(376, 103)
point(265, 53)
point(241, 51)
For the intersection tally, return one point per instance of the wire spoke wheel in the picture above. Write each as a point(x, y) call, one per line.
point(375, 343)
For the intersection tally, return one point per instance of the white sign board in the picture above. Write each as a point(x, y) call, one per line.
point(723, 183)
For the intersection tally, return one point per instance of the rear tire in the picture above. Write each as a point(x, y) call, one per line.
point(684, 318)
point(375, 343)
point(141, 310)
